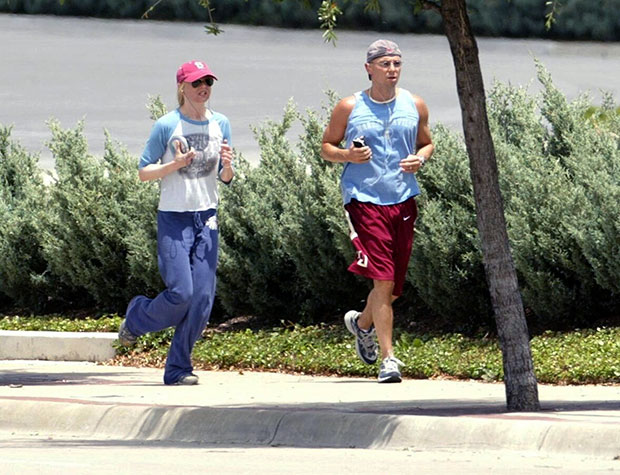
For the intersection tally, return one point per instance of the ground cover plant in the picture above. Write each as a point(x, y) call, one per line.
point(589, 356)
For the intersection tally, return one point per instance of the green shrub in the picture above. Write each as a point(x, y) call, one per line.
point(24, 275)
point(90, 236)
point(283, 230)
point(560, 180)
point(446, 265)
point(99, 232)
point(539, 201)
point(578, 186)
point(576, 19)
point(316, 233)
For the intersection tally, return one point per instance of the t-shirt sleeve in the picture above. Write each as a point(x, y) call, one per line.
point(224, 124)
point(155, 145)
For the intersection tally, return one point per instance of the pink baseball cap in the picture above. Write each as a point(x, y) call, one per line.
point(192, 70)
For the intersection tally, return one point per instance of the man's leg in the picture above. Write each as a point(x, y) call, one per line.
point(379, 311)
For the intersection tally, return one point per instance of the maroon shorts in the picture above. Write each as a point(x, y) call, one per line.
point(382, 236)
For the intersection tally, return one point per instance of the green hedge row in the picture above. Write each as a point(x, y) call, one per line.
point(576, 20)
point(88, 238)
point(84, 239)
point(559, 169)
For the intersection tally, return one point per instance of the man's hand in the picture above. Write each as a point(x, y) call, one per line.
point(411, 164)
point(359, 154)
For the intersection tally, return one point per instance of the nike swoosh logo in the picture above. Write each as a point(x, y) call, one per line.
point(406, 218)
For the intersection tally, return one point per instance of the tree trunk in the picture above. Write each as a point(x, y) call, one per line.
point(519, 377)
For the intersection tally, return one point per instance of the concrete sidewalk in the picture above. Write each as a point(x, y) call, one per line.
point(87, 400)
point(57, 346)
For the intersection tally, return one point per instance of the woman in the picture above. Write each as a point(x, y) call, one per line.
point(188, 149)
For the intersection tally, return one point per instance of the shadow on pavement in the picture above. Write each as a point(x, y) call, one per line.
point(441, 407)
point(11, 377)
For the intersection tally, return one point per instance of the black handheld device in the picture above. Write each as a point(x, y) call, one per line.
point(359, 142)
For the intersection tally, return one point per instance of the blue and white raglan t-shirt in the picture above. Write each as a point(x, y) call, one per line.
point(193, 187)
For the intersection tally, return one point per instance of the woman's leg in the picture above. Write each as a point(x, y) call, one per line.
point(175, 237)
point(203, 260)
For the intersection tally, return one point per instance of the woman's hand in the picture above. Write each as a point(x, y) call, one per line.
point(183, 159)
point(226, 155)
point(226, 159)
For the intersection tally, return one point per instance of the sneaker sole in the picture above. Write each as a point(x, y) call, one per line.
point(392, 378)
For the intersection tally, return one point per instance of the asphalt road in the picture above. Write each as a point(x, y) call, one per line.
point(30, 455)
point(102, 71)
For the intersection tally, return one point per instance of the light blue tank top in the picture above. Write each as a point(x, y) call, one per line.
point(390, 130)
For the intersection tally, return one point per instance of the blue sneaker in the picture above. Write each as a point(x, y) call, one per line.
point(365, 345)
point(125, 336)
point(390, 370)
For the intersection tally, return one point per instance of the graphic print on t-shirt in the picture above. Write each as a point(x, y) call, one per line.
point(207, 155)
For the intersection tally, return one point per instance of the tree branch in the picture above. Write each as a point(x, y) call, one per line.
point(328, 14)
point(553, 6)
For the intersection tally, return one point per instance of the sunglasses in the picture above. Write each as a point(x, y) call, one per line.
point(208, 81)
point(386, 64)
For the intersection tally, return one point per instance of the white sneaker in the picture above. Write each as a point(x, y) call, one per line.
point(365, 344)
point(390, 370)
point(188, 379)
point(125, 337)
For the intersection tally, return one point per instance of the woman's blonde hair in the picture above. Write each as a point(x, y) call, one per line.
point(180, 96)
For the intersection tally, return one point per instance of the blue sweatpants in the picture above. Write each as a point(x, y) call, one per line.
point(187, 248)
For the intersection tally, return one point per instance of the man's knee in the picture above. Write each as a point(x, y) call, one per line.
point(384, 289)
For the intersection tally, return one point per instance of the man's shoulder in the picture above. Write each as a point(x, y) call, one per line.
point(416, 99)
point(347, 103)
point(349, 100)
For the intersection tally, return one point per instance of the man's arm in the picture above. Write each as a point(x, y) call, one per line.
point(424, 143)
point(334, 133)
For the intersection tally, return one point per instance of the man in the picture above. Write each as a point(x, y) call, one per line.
point(387, 140)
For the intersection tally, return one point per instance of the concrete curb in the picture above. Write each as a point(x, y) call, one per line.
point(305, 428)
point(57, 346)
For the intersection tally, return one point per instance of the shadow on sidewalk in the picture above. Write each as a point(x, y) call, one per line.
point(442, 407)
point(365, 422)
point(16, 378)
